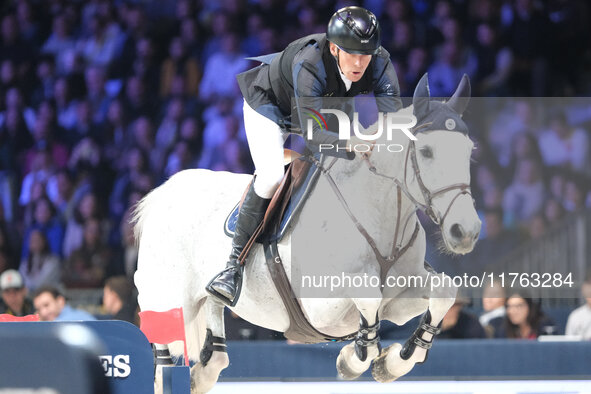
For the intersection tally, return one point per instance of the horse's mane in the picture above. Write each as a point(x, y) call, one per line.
point(138, 213)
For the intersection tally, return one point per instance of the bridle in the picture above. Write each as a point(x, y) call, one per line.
point(428, 195)
point(398, 250)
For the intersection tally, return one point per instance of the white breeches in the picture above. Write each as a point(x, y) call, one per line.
point(265, 140)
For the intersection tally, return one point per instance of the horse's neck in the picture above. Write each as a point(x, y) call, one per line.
point(373, 199)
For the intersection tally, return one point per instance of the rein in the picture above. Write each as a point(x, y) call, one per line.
point(386, 262)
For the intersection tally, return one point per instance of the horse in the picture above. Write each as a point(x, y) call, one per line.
point(374, 200)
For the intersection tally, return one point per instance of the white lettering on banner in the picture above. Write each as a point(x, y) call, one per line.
point(116, 366)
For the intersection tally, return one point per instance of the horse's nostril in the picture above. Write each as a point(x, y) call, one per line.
point(475, 237)
point(456, 231)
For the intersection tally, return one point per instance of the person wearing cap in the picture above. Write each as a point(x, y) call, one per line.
point(346, 61)
point(51, 305)
point(14, 295)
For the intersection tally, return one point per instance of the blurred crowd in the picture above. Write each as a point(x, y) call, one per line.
point(103, 100)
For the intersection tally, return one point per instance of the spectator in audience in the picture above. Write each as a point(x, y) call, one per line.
point(86, 209)
point(51, 305)
point(493, 304)
point(45, 142)
point(536, 226)
point(524, 146)
point(14, 295)
point(527, 33)
point(557, 184)
point(137, 101)
point(227, 154)
point(59, 42)
point(219, 78)
point(524, 319)
point(127, 180)
point(41, 171)
point(87, 265)
point(494, 63)
point(60, 190)
point(40, 266)
point(191, 37)
point(220, 25)
point(168, 131)
point(15, 139)
point(179, 61)
point(46, 76)
point(553, 211)
point(452, 62)
point(45, 221)
point(100, 47)
point(13, 47)
point(119, 299)
point(525, 196)
point(459, 324)
point(564, 145)
point(28, 26)
point(575, 191)
point(65, 103)
point(95, 79)
point(579, 321)
point(417, 63)
point(82, 126)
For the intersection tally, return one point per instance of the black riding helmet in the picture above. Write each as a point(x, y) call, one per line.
point(354, 30)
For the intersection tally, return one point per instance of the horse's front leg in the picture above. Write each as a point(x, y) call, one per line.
point(356, 357)
point(397, 360)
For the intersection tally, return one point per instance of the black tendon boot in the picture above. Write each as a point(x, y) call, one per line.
point(226, 285)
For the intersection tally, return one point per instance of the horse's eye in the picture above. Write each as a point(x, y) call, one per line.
point(426, 152)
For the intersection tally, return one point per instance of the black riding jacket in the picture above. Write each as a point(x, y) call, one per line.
point(306, 68)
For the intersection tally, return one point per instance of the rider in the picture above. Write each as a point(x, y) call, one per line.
point(346, 61)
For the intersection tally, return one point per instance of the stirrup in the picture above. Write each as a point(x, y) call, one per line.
point(227, 301)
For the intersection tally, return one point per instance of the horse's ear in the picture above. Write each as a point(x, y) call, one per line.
point(459, 101)
point(421, 98)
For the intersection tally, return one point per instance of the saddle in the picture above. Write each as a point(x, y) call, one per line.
point(295, 176)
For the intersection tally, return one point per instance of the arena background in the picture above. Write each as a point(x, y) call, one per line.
point(101, 101)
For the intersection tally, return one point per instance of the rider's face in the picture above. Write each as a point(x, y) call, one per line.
point(353, 66)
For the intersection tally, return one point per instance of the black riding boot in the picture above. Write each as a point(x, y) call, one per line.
point(226, 284)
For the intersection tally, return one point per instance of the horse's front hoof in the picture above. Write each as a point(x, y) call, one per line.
point(345, 372)
point(379, 370)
